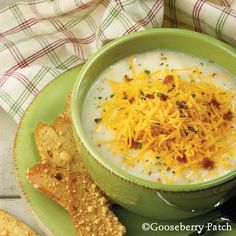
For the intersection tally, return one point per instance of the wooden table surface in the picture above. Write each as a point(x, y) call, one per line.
point(9, 196)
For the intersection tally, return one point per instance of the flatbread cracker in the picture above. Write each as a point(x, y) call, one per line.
point(51, 180)
point(11, 226)
point(63, 177)
point(90, 209)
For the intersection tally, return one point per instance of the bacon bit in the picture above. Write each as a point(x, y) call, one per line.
point(181, 114)
point(125, 96)
point(156, 130)
point(162, 96)
point(202, 133)
point(215, 103)
point(168, 79)
point(136, 145)
point(182, 159)
point(228, 116)
point(208, 163)
point(127, 78)
point(181, 105)
point(154, 147)
point(141, 134)
point(169, 141)
point(131, 100)
point(151, 96)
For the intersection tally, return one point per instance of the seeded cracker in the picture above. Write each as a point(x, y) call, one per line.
point(62, 176)
point(90, 209)
point(56, 145)
point(10, 226)
point(51, 180)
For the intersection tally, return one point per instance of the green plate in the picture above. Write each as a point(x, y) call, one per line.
point(53, 218)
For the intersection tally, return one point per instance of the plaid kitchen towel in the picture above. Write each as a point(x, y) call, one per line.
point(40, 39)
point(213, 17)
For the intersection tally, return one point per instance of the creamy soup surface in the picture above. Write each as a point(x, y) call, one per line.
point(158, 170)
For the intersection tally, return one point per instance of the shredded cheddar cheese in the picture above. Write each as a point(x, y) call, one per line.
point(171, 121)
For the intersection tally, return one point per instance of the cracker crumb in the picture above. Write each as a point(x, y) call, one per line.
point(90, 209)
point(36, 186)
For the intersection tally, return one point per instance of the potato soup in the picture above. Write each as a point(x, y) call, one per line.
point(164, 116)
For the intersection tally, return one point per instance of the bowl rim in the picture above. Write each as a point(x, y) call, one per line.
point(108, 165)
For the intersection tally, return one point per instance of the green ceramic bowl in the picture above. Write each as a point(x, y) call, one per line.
point(144, 197)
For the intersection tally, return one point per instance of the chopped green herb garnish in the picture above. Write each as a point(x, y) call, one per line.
point(97, 120)
point(141, 92)
point(178, 103)
point(112, 95)
point(173, 86)
point(127, 78)
point(140, 145)
point(190, 128)
point(201, 63)
point(99, 97)
point(186, 131)
point(147, 72)
point(162, 64)
point(193, 95)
